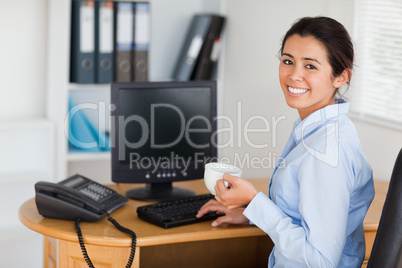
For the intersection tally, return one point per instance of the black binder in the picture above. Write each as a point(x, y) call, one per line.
point(208, 57)
point(104, 52)
point(124, 41)
point(141, 42)
point(82, 56)
point(191, 48)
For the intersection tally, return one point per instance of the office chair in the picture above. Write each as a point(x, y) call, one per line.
point(387, 248)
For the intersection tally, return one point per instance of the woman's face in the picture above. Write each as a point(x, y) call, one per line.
point(306, 75)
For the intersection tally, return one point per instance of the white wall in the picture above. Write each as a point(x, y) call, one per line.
point(22, 99)
point(23, 58)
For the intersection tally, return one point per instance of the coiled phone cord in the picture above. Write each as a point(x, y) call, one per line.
point(118, 226)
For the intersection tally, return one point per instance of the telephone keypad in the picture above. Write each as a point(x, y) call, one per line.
point(96, 191)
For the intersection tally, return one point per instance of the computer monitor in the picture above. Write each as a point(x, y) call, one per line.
point(162, 132)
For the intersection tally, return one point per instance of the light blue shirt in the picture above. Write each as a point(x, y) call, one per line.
point(319, 194)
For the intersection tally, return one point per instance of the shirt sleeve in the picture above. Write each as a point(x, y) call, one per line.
point(318, 239)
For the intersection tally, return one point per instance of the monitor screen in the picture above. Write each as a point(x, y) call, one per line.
point(162, 132)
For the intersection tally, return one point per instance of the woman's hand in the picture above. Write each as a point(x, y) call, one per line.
point(233, 216)
point(238, 193)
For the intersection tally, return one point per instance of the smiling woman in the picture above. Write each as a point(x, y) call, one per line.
point(306, 75)
point(314, 64)
point(334, 39)
point(322, 185)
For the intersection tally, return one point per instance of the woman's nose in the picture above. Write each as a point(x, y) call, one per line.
point(296, 75)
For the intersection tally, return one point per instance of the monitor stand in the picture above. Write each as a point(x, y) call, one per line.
point(158, 192)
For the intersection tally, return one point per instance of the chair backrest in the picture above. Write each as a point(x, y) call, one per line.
point(387, 248)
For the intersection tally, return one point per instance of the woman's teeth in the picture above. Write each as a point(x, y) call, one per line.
point(297, 90)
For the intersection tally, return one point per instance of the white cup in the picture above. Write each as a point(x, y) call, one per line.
point(214, 172)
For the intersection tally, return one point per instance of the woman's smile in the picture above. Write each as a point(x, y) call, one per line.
point(294, 91)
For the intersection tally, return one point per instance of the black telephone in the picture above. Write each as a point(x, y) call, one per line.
point(79, 198)
point(76, 197)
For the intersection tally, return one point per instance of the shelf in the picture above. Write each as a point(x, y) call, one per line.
point(87, 156)
point(73, 86)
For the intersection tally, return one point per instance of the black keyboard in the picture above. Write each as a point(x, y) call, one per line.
point(177, 212)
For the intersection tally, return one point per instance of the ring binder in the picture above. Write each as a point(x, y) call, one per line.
point(194, 62)
point(82, 69)
point(141, 42)
point(124, 43)
point(104, 52)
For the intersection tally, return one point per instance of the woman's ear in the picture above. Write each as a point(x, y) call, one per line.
point(343, 78)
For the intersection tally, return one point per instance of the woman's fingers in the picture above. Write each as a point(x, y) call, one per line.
point(211, 205)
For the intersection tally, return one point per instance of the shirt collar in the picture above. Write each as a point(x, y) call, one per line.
point(319, 117)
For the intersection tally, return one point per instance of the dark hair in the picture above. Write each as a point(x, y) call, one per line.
point(332, 35)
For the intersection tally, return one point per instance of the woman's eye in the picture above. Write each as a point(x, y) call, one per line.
point(287, 62)
point(309, 66)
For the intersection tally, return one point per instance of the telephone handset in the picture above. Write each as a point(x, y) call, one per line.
point(76, 197)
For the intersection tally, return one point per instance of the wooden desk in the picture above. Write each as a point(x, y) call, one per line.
point(197, 245)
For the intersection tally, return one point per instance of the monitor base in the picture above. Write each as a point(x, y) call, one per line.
point(156, 192)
